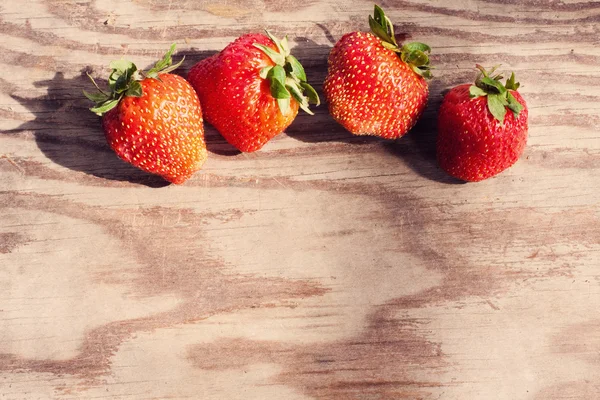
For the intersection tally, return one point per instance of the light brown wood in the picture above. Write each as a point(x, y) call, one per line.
point(324, 266)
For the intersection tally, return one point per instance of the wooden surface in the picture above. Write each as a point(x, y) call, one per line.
point(322, 267)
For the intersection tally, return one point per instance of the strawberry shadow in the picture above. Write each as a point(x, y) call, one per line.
point(417, 148)
point(68, 134)
point(71, 136)
point(319, 127)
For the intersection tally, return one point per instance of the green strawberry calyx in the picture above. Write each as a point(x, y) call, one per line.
point(414, 54)
point(287, 77)
point(498, 95)
point(124, 80)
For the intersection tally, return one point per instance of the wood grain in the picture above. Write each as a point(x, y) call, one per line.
point(324, 266)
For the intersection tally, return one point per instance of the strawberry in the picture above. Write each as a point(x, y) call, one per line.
point(152, 119)
point(374, 86)
point(477, 137)
point(251, 91)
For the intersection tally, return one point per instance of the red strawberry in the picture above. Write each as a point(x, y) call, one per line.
point(374, 86)
point(477, 137)
point(153, 119)
point(251, 91)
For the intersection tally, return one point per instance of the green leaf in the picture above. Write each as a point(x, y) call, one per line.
point(485, 72)
point(124, 81)
point(503, 99)
point(122, 65)
point(135, 89)
point(96, 97)
point(265, 72)
point(164, 65)
point(416, 46)
point(277, 78)
point(415, 54)
point(277, 73)
point(389, 27)
point(390, 46)
point(285, 46)
point(382, 26)
point(403, 57)
point(417, 58)
point(493, 83)
point(311, 93)
point(287, 78)
point(284, 105)
point(379, 16)
point(511, 84)
point(122, 73)
point(514, 105)
point(172, 67)
point(118, 82)
point(276, 42)
point(279, 91)
point(165, 61)
point(276, 57)
point(296, 92)
point(475, 91)
point(112, 79)
point(105, 107)
point(380, 31)
point(425, 72)
point(297, 69)
point(306, 109)
point(496, 107)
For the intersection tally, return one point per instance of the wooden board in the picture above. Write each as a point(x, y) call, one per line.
point(324, 266)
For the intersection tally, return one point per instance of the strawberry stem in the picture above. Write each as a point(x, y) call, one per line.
point(124, 81)
point(415, 54)
point(287, 77)
point(498, 95)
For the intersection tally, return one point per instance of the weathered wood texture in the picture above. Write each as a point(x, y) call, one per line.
point(322, 267)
